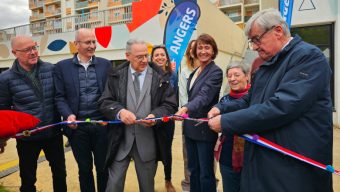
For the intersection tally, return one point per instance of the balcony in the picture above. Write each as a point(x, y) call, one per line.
point(53, 13)
point(85, 4)
point(37, 17)
point(53, 26)
point(93, 19)
point(50, 2)
point(251, 2)
point(223, 3)
point(36, 5)
point(120, 14)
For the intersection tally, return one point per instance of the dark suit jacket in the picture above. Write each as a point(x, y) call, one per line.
point(67, 83)
point(201, 97)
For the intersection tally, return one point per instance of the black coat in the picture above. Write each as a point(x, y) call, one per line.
point(289, 104)
point(163, 101)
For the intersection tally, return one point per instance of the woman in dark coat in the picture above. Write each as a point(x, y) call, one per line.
point(203, 88)
point(165, 132)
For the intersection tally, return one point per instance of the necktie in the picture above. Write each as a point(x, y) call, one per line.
point(136, 84)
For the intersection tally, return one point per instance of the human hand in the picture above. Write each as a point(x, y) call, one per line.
point(173, 66)
point(127, 117)
point(72, 118)
point(180, 112)
point(148, 123)
point(213, 112)
point(3, 143)
point(215, 124)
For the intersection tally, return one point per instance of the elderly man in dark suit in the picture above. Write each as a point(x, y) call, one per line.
point(136, 89)
point(80, 82)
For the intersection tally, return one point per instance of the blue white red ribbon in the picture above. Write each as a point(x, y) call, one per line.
point(248, 137)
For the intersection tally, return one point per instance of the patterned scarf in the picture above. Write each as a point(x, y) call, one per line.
point(238, 143)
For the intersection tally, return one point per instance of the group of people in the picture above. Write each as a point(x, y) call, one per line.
point(286, 101)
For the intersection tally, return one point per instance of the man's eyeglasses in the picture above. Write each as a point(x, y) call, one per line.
point(28, 49)
point(141, 57)
point(88, 42)
point(257, 39)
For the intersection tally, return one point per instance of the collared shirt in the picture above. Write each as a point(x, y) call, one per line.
point(141, 76)
point(141, 81)
point(84, 64)
point(290, 39)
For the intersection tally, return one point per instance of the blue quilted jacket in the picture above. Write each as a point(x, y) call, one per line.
point(18, 93)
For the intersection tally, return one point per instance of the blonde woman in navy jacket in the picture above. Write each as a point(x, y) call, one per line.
point(203, 91)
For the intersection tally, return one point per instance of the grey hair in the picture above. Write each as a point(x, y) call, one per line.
point(238, 64)
point(131, 42)
point(266, 19)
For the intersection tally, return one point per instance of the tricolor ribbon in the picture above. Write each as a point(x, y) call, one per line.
point(27, 133)
point(248, 137)
point(275, 147)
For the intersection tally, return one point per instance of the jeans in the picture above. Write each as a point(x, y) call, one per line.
point(89, 143)
point(230, 178)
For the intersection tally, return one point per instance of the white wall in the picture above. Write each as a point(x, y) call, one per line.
point(325, 12)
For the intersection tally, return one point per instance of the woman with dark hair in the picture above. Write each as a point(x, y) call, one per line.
point(203, 90)
point(160, 57)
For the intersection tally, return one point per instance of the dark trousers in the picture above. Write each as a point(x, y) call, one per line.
point(201, 165)
point(165, 136)
point(230, 179)
point(28, 152)
point(89, 143)
point(167, 160)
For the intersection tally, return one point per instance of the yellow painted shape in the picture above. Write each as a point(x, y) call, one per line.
point(73, 48)
point(14, 163)
point(149, 46)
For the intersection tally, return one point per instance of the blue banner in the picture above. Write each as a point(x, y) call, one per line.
point(179, 28)
point(286, 9)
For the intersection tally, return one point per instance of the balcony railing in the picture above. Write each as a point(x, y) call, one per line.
point(120, 14)
point(51, 1)
point(36, 17)
point(33, 5)
point(81, 4)
point(229, 2)
point(68, 24)
point(53, 13)
point(250, 1)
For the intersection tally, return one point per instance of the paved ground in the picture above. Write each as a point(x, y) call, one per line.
point(44, 184)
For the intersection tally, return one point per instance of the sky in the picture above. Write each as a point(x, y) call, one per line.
point(14, 13)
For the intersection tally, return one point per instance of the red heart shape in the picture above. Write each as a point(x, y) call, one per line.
point(143, 11)
point(103, 35)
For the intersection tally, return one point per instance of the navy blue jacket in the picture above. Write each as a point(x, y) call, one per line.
point(201, 97)
point(67, 83)
point(18, 93)
point(289, 104)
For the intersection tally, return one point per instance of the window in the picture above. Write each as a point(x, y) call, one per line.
point(321, 36)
